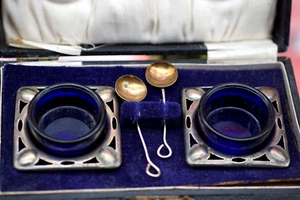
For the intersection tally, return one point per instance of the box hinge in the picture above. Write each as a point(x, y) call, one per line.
point(37, 58)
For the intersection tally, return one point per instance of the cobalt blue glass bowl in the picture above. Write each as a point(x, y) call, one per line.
point(236, 119)
point(66, 119)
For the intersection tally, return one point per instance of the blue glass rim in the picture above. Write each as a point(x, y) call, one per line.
point(100, 123)
point(265, 130)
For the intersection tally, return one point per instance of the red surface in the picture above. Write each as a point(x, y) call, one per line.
point(294, 47)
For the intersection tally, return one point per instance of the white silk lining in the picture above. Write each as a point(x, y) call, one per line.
point(62, 25)
point(255, 51)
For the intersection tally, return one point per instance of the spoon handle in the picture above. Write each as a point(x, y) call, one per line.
point(150, 163)
point(163, 95)
point(165, 144)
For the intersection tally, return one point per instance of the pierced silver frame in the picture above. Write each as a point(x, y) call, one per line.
point(29, 157)
point(198, 153)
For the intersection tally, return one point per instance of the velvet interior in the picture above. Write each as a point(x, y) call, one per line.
point(131, 174)
point(150, 113)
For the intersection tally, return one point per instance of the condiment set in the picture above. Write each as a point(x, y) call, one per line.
point(68, 120)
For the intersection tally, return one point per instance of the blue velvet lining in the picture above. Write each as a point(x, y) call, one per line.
point(175, 171)
point(150, 113)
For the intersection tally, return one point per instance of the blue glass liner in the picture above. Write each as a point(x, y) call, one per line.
point(235, 119)
point(66, 119)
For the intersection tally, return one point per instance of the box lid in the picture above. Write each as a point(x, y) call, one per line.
point(280, 35)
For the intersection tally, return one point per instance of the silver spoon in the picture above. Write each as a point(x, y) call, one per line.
point(131, 88)
point(162, 75)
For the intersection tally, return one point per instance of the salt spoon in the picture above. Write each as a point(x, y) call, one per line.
point(162, 75)
point(131, 88)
